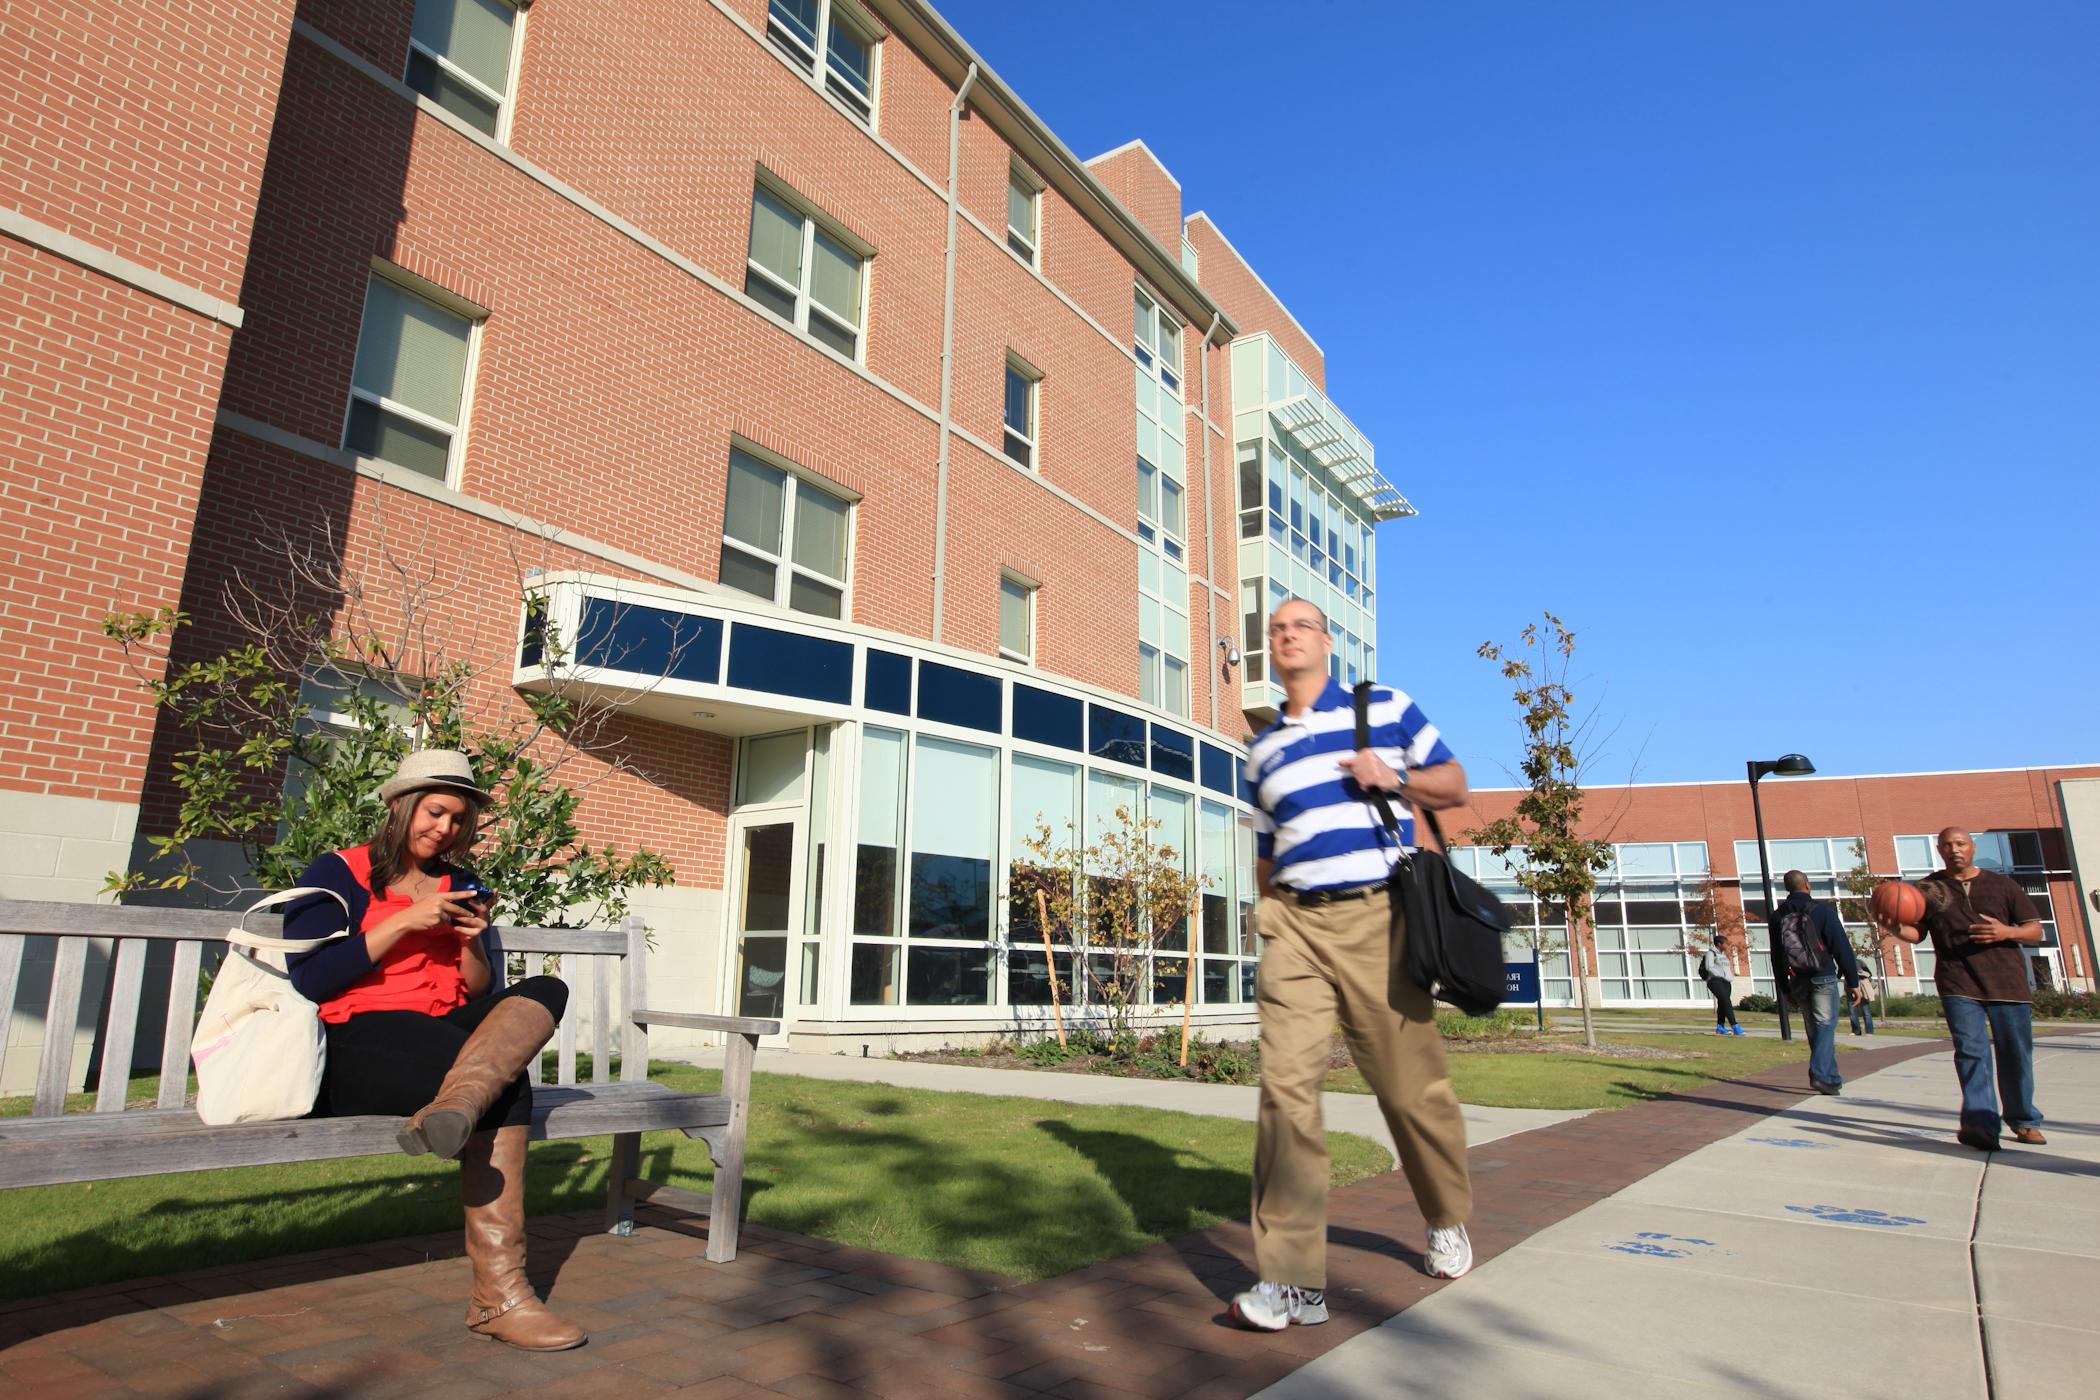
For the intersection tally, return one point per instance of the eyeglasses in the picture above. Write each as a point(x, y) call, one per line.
point(1304, 627)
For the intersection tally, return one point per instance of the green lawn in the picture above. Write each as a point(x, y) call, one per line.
point(1571, 1079)
point(1018, 1186)
point(1561, 1019)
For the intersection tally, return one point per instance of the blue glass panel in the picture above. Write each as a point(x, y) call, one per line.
point(1042, 717)
point(1113, 735)
point(1239, 774)
point(1217, 771)
point(1173, 753)
point(888, 683)
point(650, 641)
point(949, 695)
point(788, 663)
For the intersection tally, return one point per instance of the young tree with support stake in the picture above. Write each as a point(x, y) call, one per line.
point(1560, 866)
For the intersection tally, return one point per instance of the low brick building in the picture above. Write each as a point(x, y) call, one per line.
point(1681, 846)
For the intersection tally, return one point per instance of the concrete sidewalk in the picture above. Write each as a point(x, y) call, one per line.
point(1346, 1113)
point(1843, 1246)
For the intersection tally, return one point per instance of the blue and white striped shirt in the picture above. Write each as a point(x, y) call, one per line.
point(1310, 817)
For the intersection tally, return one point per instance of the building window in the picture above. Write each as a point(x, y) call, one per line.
point(802, 29)
point(783, 539)
point(1016, 618)
point(459, 56)
point(804, 274)
point(1024, 207)
point(1021, 396)
point(408, 387)
point(1158, 337)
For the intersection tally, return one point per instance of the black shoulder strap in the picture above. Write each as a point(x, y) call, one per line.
point(1363, 741)
point(1379, 799)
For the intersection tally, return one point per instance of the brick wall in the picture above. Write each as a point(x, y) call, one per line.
point(1252, 306)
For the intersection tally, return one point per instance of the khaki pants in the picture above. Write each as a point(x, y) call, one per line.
point(1320, 966)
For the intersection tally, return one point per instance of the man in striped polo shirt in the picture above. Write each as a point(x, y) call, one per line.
point(1329, 947)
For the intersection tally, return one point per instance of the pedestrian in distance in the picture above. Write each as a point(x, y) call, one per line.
point(417, 1025)
point(1331, 943)
point(1863, 1006)
point(1719, 976)
point(1814, 952)
point(1981, 923)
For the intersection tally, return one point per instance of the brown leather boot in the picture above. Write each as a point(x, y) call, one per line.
point(502, 1045)
point(503, 1306)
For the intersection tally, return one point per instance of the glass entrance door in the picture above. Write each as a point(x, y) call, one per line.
point(766, 893)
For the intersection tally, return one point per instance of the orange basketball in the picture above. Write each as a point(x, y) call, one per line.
point(1895, 902)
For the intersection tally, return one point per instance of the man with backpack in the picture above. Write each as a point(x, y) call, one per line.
point(1813, 951)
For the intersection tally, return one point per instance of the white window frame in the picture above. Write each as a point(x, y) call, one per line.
point(1031, 440)
point(816, 67)
point(1029, 588)
point(1029, 249)
point(503, 100)
point(784, 565)
point(423, 290)
point(1147, 346)
point(805, 304)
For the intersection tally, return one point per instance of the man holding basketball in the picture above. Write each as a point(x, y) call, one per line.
point(1981, 922)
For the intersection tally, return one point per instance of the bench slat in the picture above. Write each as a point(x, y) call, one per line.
point(182, 1023)
point(565, 1053)
point(634, 1037)
point(11, 945)
point(61, 1020)
point(125, 983)
point(603, 970)
point(147, 1142)
point(55, 918)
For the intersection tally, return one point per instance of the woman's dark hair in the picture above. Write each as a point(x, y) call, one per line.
point(390, 858)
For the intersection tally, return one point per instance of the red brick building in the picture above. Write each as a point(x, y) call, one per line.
point(2039, 825)
point(778, 327)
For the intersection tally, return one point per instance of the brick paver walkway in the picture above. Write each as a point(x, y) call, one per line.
point(805, 1317)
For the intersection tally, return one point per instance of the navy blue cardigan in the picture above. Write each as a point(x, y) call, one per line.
point(330, 970)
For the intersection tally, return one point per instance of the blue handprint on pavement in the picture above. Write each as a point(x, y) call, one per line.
point(1856, 1215)
point(1809, 1143)
point(1654, 1244)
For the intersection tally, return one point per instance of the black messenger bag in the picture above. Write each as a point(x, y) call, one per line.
point(1454, 927)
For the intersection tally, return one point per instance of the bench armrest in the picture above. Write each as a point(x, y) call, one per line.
point(700, 1021)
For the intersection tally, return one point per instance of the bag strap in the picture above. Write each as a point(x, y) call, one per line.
point(1379, 799)
point(239, 936)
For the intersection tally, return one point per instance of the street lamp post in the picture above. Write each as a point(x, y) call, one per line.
point(1786, 766)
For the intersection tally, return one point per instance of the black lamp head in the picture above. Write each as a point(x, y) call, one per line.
point(1793, 765)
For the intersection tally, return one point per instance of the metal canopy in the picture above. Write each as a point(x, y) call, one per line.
point(1332, 441)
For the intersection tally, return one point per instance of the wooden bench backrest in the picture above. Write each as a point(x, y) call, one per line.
point(616, 958)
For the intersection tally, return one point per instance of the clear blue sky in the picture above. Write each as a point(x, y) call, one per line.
point(1760, 341)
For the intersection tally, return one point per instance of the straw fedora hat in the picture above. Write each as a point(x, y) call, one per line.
point(433, 768)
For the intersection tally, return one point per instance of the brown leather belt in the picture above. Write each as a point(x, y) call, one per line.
point(1313, 899)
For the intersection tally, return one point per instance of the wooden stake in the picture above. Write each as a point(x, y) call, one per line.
point(1042, 923)
point(1188, 985)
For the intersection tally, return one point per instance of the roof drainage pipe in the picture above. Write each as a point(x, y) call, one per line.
point(1210, 524)
point(940, 487)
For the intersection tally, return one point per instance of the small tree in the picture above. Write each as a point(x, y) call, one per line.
point(1115, 904)
point(1854, 887)
point(258, 770)
point(1715, 916)
point(1561, 865)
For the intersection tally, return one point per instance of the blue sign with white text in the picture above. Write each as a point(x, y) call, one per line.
point(1520, 981)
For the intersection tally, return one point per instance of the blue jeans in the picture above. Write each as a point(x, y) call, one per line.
point(1820, 1009)
point(1982, 1030)
point(1863, 1011)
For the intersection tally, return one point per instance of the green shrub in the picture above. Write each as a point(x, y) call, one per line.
point(2056, 1004)
point(1043, 1052)
point(1761, 1001)
point(1927, 1007)
point(1496, 1025)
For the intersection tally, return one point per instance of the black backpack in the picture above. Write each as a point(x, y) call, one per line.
point(1799, 943)
point(1454, 927)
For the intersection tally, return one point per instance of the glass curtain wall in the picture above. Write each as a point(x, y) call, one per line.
point(1823, 859)
point(935, 921)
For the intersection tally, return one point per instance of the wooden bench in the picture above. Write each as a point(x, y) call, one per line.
point(52, 1146)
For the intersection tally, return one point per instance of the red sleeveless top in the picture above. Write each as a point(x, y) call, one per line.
point(419, 973)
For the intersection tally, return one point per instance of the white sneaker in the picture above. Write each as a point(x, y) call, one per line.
point(1271, 1307)
point(1450, 1252)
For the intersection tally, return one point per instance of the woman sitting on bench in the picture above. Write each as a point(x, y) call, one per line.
point(414, 1029)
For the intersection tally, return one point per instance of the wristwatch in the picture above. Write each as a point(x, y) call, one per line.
point(1399, 780)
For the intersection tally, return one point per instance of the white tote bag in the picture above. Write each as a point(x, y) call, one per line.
point(258, 1047)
